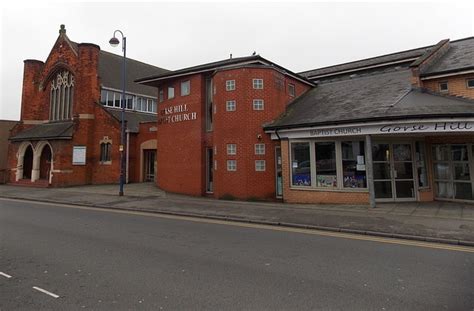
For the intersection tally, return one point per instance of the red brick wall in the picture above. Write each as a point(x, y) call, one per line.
point(457, 85)
point(179, 150)
point(182, 145)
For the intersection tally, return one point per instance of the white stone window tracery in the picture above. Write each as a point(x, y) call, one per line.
point(61, 96)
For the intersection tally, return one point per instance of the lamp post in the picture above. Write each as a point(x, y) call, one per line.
point(115, 42)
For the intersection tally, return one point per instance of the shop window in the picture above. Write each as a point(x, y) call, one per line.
point(443, 87)
point(105, 153)
point(300, 164)
point(170, 92)
point(231, 149)
point(230, 105)
point(291, 90)
point(259, 149)
point(470, 83)
point(326, 175)
point(353, 164)
point(258, 104)
point(420, 158)
point(257, 84)
point(230, 85)
point(260, 165)
point(185, 88)
point(231, 165)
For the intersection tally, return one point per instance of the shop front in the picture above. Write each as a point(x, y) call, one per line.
point(411, 160)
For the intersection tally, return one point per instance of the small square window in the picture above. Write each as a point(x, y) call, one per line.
point(470, 83)
point(185, 88)
point(230, 85)
point(260, 165)
point(443, 86)
point(258, 84)
point(230, 105)
point(258, 104)
point(170, 92)
point(232, 165)
point(231, 149)
point(259, 149)
point(291, 90)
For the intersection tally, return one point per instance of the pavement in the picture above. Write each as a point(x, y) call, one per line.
point(442, 222)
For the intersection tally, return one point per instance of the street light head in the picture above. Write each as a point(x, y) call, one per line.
point(114, 42)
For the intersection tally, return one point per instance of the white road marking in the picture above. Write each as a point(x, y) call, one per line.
point(5, 275)
point(45, 292)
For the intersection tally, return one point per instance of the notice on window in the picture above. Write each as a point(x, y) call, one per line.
point(79, 155)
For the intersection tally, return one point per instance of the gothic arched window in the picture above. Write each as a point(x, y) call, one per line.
point(61, 96)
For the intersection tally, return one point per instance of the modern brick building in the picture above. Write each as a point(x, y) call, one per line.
point(69, 130)
point(397, 127)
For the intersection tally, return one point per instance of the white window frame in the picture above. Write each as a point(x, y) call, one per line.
point(171, 88)
point(231, 149)
point(260, 165)
point(257, 84)
point(185, 88)
point(230, 105)
point(467, 83)
point(258, 104)
point(231, 165)
point(260, 149)
point(230, 85)
point(447, 86)
point(291, 86)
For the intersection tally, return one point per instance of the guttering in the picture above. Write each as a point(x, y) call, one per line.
point(448, 74)
point(405, 60)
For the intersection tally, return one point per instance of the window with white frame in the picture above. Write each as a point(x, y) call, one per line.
point(258, 104)
point(230, 105)
point(61, 96)
point(113, 99)
point(230, 85)
point(260, 165)
point(470, 83)
point(231, 165)
point(257, 84)
point(231, 149)
point(185, 88)
point(259, 149)
point(443, 86)
point(170, 92)
point(291, 89)
point(161, 95)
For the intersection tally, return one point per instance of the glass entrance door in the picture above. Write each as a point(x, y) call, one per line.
point(149, 157)
point(393, 171)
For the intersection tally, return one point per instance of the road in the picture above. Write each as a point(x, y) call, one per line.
point(105, 260)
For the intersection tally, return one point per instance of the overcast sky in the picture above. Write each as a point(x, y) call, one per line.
point(298, 36)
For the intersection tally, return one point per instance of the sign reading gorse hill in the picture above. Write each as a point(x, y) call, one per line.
point(174, 114)
point(407, 128)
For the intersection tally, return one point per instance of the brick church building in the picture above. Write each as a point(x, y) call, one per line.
point(69, 129)
point(393, 128)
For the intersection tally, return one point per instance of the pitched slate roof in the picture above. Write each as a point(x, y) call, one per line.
point(110, 72)
point(226, 63)
point(133, 118)
point(54, 130)
point(460, 56)
point(385, 95)
point(402, 57)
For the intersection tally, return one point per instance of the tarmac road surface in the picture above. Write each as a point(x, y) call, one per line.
point(55, 257)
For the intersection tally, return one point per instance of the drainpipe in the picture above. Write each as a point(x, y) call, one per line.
point(127, 157)
point(369, 170)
